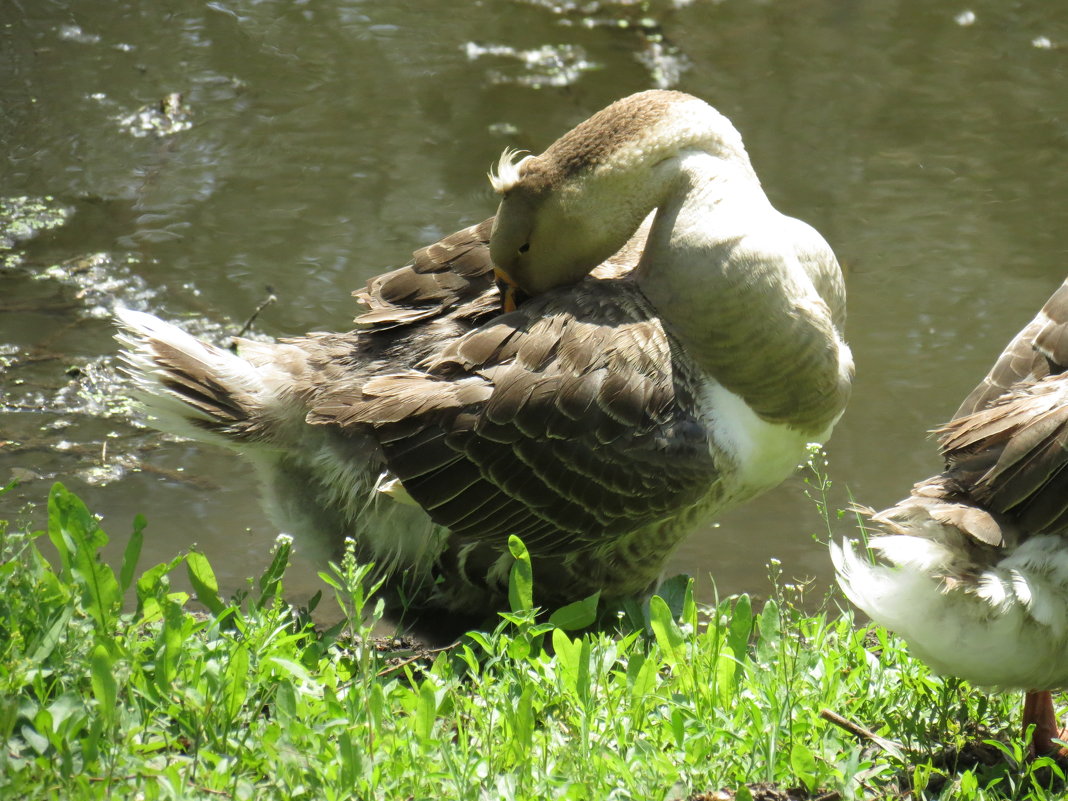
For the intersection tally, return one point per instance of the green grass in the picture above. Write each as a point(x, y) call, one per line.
point(151, 699)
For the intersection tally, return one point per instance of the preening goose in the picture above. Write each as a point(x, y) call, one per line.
point(975, 576)
point(600, 420)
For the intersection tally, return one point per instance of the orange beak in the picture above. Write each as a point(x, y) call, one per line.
point(509, 289)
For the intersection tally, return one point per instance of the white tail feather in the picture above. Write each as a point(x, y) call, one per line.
point(1009, 630)
point(150, 348)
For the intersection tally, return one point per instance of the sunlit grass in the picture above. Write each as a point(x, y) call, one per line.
point(152, 699)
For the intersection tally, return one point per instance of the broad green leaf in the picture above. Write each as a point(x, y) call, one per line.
point(205, 585)
point(294, 669)
point(567, 655)
point(171, 639)
point(100, 591)
point(770, 634)
point(741, 626)
point(689, 606)
point(236, 685)
point(519, 648)
point(803, 764)
point(573, 663)
point(484, 642)
point(673, 591)
point(73, 518)
point(33, 739)
point(132, 553)
point(726, 670)
point(105, 689)
point(351, 758)
point(152, 587)
point(667, 632)
point(969, 784)
point(577, 615)
point(376, 704)
point(641, 675)
point(678, 727)
point(78, 538)
point(582, 682)
point(42, 648)
point(285, 699)
point(921, 777)
point(43, 720)
point(57, 533)
point(523, 723)
point(521, 577)
point(67, 704)
point(426, 710)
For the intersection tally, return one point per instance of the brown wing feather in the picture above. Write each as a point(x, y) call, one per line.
point(453, 275)
point(1039, 350)
point(1012, 457)
point(1006, 450)
point(563, 421)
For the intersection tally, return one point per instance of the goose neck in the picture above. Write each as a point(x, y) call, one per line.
point(739, 285)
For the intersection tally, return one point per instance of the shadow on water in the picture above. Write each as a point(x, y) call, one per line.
point(183, 159)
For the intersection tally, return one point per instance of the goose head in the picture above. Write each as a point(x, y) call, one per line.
point(567, 210)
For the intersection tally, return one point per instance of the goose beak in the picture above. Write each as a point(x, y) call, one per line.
point(511, 294)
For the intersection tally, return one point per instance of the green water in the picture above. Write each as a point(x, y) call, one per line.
point(315, 144)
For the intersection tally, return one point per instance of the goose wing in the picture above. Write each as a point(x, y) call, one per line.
point(1007, 448)
point(1011, 458)
point(452, 276)
point(1039, 350)
point(565, 420)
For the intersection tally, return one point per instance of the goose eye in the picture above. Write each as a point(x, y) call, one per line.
point(524, 247)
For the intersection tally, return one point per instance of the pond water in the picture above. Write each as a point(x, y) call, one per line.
point(192, 158)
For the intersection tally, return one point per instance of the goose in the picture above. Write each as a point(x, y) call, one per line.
point(636, 341)
point(974, 563)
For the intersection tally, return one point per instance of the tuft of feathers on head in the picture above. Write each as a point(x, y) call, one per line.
point(507, 174)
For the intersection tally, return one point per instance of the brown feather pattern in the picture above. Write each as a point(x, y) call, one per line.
point(550, 409)
point(1006, 451)
point(1039, 350)
point(455, 274)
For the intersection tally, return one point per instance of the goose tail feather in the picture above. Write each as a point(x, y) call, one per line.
point(197, 390)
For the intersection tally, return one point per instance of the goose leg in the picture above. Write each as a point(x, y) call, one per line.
point(1038, 709)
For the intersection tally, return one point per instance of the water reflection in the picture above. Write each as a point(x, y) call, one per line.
point(328, 141)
